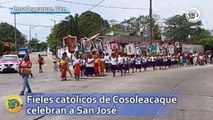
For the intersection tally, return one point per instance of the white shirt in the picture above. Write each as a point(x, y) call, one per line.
point(106, 59)
point(149, 59)
point(126, 60)
point(103, 60)
point(152, 59)
point(90, 63)
point(120, 60)
point(169, 56)
point(164, 59)
point(76, 61)
point(138, 61)
point(82, 62)
point(113, 61)
point(144, 59)
point(200, 57)
point(132, 60)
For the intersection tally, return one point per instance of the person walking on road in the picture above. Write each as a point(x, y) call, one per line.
point(25, 72)
point(63, 66)
point(114, 64)
point(77, 67)
point(40, 62)
point(69, 62)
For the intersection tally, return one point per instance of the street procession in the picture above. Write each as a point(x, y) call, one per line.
point(95, 57)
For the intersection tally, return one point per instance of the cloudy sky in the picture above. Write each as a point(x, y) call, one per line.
point(164, 8)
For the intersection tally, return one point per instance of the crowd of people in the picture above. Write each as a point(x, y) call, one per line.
point(97, 64)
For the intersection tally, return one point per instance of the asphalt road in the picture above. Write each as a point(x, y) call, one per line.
point(194, 84)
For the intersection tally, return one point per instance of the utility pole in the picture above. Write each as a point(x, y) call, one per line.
point(36, 36)
point(151, 21)
point(15, 32)
point(55, 52)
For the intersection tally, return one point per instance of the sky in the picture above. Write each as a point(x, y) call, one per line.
point(163, 8)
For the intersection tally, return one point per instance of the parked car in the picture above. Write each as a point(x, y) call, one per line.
point(9, 63)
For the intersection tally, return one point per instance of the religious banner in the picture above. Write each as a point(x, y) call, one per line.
point(158, 48)
point(137, 50)
point(130, 49)
point(171, 49)
point(70, 42)
point(154, 48)
point(98, 45)
point(114, 45)
point(107, 48)
point(177, 44)
point(86, 45)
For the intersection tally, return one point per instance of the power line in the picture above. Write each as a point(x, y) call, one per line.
point(31, 25)
point(102, 6)
point(165, 6)
point(96, 5)
point(8, 2)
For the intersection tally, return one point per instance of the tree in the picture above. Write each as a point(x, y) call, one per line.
point(7, 33)
point(1, 48)
point(85, 25)
point(207, 43)
point(199, 34)
point(43, 46)
point(179, 28)
point(13, 48)
point(91, 23)
point(33, 44)
point(142, 23)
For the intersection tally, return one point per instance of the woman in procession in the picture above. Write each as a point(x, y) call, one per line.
point(89, 70)
point(82, 65)
point(121, 64)
point(63, 66)
point(144, 62)
point(25, 71)
point(132, 63)
point(97, 62)
point(102, 66)
point(126, 64)
point(69, 62)
point(169, 60)
point(107, 62)
point(77, 67)
point(138, 63)
point(114, 64)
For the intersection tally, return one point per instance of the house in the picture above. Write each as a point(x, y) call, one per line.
point(119, 32)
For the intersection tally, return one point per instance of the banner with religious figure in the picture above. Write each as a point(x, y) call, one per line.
point(130, 49)
point(114, 45)
point(70, 42)
point(86, 45)
point(99, 45)
point(171, 49)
